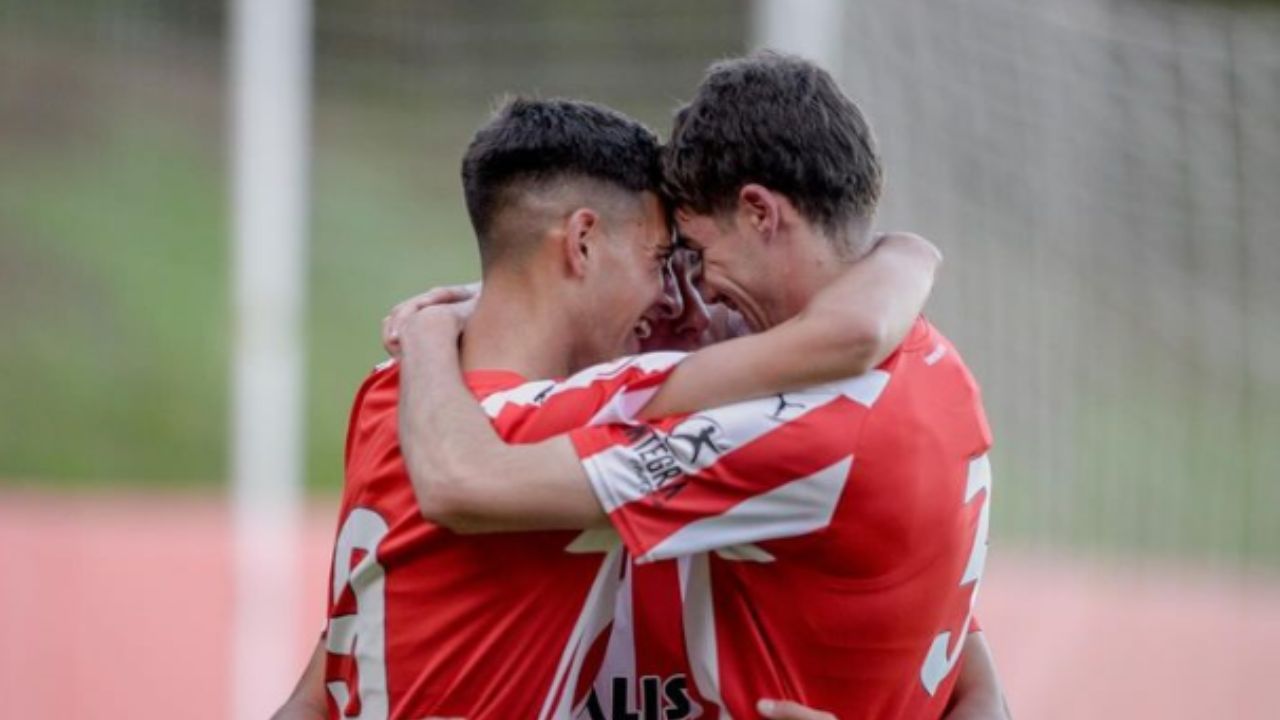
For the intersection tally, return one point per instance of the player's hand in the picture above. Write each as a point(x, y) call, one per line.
point(393, 323)
point(432, 329)
point(787, 710)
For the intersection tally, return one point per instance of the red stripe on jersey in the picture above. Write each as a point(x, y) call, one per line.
point(576, 406)
point(580, 398)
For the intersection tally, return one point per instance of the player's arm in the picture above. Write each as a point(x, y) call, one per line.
point(847, 329)
point(307, 702)
point(468, 479)
point(464, 475)
point(977, 695)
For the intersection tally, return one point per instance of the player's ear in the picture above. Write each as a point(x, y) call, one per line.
point(580, 233)
point(759, 210)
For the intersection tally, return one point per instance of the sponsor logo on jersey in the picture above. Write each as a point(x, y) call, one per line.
point(662, 460)
point(783, 405)
point(656, 698)
point(541, 397)
point(699, 433)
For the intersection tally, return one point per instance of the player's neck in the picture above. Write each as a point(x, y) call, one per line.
point(811, 265)
point(510, 330)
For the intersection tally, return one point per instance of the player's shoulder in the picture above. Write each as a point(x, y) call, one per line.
point(925, 347)
point(628, 367)
point(930, 374)
point(375, 401)
point(929, 348)
point(593, 384)
point(380, 389)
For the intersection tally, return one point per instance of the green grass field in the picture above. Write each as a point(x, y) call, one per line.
point(115, 293)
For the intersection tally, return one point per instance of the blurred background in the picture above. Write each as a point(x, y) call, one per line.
point(1103, 176)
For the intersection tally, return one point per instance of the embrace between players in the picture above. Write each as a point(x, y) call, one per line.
point(778, 509)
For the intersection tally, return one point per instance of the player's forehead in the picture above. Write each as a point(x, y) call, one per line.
point(660, 235)
point(694, 229)
point(664, 238)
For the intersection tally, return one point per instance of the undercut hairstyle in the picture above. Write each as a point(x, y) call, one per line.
point(533, 145)
point(780, 121)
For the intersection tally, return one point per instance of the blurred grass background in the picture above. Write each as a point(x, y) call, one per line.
point(114, 202)
point(1158, 434)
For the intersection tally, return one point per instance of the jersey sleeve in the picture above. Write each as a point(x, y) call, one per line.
point(610, 392)
point(732, 476)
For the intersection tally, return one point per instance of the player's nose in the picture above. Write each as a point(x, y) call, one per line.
point(699, 285)
point(670, 302)
point(694, 318)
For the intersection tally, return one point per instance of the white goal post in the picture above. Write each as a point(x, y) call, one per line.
point(270, 56)
point(813, 29)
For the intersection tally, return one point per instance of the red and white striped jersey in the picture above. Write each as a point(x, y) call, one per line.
point(518, 625)
point(834, 537)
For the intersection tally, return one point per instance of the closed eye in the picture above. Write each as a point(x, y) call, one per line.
point(686, 242)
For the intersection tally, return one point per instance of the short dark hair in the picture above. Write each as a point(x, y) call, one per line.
point(545, 141)
point(780, 121)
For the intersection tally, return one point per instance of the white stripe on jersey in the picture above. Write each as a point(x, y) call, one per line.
point(700, 630)
point(537, 391)
point(796, 508)
point(594, 540)
point(620, 651)
point(524, 394)
point(596, 615)
point(623, 406)
point(746, 553)
point(863, 389)
point(702, 439)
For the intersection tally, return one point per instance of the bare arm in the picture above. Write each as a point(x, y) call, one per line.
point(464, 475)
point(846, 330)
point(307, 702)
point(978, 695)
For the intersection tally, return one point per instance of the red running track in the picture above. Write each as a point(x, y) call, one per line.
point(120, 606)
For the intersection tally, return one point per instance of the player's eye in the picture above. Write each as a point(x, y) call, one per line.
point(695, 259)
point(684, 242)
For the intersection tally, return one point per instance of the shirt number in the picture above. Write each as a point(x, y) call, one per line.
point(361, 635)
point(939, 663)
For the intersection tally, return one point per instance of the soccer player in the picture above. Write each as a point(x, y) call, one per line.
point(573, 243)
point(831, 539)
